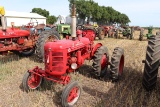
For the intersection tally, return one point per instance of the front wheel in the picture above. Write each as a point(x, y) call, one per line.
point(117, 63)
point(70, 94)
point(31, 81)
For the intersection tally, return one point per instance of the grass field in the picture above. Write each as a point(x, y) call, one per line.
point(128, 92)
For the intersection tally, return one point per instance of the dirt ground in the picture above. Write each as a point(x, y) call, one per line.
point(128, 92)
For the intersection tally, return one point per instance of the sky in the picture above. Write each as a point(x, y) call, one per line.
point(140, 12)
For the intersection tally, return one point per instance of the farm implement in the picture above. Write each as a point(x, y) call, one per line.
point(126, 31)
point(98, 31)
point(63, 30)
point(148, 35)
point(109, 31)
point(23, 40)
point(67, 55)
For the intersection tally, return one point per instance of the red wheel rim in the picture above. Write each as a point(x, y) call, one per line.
point(73, 95)
point(121, 65)
point(103, 61)
point(34, 81)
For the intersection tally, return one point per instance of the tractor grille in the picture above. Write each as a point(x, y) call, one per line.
point(57, 62)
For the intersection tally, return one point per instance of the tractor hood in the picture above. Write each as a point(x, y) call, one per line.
point(11, 33)
point(67, 44)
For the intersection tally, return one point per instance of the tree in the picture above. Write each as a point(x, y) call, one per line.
point(50, 19)
point(40, 11)
point(106, 15)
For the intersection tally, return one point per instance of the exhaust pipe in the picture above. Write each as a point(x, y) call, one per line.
point(73, 27)
point(3, 23)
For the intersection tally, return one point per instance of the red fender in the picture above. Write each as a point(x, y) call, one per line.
point(95, 48)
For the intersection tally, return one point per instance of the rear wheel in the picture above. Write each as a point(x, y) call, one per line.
point(131, 36)
point(158, 33)
point(31, 81)
point(101, 33)
point(27, 52)
point(116, 33)
point(70, 94)
point(117, 63)
point(151, 63)
point(100, 61)
point(141, 35)
point(109, 33)
point(44, 37)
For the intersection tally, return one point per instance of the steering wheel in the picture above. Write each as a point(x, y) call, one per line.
point(80, 27)
point(33, 22)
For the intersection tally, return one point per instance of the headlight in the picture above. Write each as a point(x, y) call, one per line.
point(74, 66)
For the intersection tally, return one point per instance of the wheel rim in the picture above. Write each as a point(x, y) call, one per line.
point(103, 61)
point(121, 65)
point(73, 95)
point(34, 81)
point(51, 39)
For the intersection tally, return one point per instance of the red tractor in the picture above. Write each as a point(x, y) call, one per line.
point(65, 56)
point(152, 63)
point(21, 41)
point(109, 31)
point(99, 31)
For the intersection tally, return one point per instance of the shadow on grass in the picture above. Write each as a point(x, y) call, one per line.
point(9, 58)
point(15, 57)
point(35, 59)
point(128, 92)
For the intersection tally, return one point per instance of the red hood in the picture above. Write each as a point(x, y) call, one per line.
point(10, 33)
point(67, 44)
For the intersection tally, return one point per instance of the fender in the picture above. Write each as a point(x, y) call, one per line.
point(95, 48)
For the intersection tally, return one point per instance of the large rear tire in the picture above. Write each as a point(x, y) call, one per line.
point(100, 61)
point(101, 33)
point(141, 35)
point(109, 33)
point(27, 52)
point(45, 36)
point(117, 63)
point(116, 33)
point(151, 63)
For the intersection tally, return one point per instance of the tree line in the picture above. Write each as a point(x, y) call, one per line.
point(50, 18)
point(90, 10)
